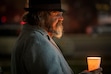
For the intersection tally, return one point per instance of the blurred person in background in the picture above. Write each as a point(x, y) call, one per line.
point(35, 52)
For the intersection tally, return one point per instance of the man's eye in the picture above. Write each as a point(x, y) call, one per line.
point(55, 14)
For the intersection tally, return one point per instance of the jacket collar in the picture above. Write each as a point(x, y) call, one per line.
point(34, 28)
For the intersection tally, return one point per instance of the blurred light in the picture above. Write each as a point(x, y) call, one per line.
point(89, 30)
point(106, 7)
point(22, 22)
point(102, 7)
point(3, 19)
point(98, 6)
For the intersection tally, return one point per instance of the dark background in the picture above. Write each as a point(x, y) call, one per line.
point(87, 32)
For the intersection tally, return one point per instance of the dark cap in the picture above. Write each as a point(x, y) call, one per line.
point(44, 5)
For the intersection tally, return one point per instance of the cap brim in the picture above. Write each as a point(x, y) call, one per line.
point(33, 10)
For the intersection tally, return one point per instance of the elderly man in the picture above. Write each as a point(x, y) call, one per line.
point(35, 52)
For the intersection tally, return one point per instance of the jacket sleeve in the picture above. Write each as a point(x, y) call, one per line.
point(41, 58)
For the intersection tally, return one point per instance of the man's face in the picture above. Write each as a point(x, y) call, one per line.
point(55, 21)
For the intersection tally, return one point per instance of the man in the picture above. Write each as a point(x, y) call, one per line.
point(35, 52)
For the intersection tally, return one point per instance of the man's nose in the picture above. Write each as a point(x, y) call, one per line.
point(61, 18)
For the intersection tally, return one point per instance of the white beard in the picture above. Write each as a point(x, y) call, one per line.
point(56, 31)
point(59, 31)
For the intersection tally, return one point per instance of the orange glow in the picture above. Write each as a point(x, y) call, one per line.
point(93, 63)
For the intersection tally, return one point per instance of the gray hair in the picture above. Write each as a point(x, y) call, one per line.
point(36, 18)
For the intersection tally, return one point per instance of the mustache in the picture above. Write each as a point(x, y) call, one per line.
point(59, 30)
point(59, 23)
